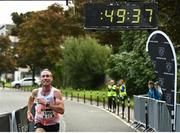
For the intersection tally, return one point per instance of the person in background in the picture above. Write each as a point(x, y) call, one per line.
point(111, 87)
point(153, 93)
point(122, 93)
point(122, 89)
point(158, 88)
point(110, 84)
point(113, 95)
point(49, 105)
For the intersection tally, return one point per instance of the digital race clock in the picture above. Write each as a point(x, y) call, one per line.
point(121, 15)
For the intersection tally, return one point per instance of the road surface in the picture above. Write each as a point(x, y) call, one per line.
point(78, 117)
point(11, 99)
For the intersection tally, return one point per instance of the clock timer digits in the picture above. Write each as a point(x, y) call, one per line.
point(109, 15)
point(121, 16)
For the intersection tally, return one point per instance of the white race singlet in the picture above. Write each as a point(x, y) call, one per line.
point(45, 115)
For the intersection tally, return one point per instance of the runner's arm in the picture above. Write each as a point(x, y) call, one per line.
point(30, 104)
point(58, 106)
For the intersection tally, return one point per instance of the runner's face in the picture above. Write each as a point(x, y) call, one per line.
point(46, 78)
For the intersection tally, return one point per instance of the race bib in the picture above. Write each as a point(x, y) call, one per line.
point(48, 113)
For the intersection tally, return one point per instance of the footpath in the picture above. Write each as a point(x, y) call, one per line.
point(84, 116)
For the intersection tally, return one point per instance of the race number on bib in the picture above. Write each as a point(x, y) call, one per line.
point(48, 113)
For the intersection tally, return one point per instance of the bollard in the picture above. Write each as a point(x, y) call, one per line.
point(66, 93)
point(71, 96)
point(146, 114)
point(91, 97)
point(108, 104)
point(78, 96)
point(84, 97)
point(104, 101)
point(118, 105)
point(97, 98)
point(123, 107)
point(128, 110)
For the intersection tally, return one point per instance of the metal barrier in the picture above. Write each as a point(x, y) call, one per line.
point(15, 121)
point(21, 120)
point(164, 117)
point(5, 122)
point(136, 109)
point(178, 118)
point(159, 118)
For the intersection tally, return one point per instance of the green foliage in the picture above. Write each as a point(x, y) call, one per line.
point(111, 38)
point(57, 74)
point(6, 55)
point(84, 62)
point(169, 20)
point(132, 65)
point(40, 34)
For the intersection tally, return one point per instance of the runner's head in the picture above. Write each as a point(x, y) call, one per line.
point(46, 77)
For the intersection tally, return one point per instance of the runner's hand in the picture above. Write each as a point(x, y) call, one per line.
point(30, 116)
point(41, 101)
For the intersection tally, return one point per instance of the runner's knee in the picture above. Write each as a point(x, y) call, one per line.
point(40, 130)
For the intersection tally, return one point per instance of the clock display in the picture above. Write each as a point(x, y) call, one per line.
point(121, 15)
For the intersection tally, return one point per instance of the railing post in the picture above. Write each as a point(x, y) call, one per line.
point(71, 96)
point(123, 107)
point(104, 100)
point(66, 93)
point(91, 97)
point(146, 114)
point(128, 109)
point(84, 97)
point(118, 105)
point(78, 95)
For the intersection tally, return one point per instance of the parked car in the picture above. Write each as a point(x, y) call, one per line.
point(25, 82)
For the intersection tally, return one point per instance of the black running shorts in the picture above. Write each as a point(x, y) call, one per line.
point(49, 128)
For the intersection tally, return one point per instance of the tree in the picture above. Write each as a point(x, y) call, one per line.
point(132, 63)
point(6, 54)
point(74, 21)
point(84, 62)
point(40, 35)
point(169, 20)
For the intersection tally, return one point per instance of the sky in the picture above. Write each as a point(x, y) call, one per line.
point(7, 7)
